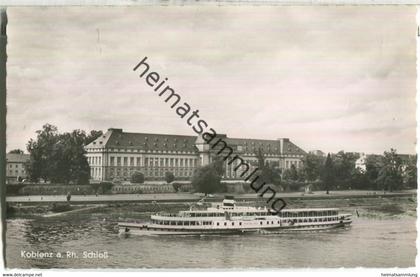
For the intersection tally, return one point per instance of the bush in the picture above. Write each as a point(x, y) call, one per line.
point(14, 189)
point(169, 177)
point(106, 186)
point(59, 208)
point(207, 180)
point(290, 185)
point(137, 178)
point(176, 186)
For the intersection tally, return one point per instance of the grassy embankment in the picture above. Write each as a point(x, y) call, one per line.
point(375, 206)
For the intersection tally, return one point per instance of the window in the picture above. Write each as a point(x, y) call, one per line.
point(112, 160)
point(125, 161)
point(233, 223)
point(217, 223)
point(138, 161)
point(240, 223)
point(118, 161)
point(225, 223)
point(131, 161)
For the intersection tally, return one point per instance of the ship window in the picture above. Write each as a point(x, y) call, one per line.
point(268, 222)
point(233, 223)
point(225, 223)
point(217, 223)
point(260, 222)
point(240, 223)
point(272, 222)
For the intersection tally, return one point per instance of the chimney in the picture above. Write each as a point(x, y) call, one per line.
point(115, 130)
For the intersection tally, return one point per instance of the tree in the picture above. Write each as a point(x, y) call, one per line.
point(344, 164)
point(207, 179)
point(58, 157)
point(41, 153)
point(328, 174)
point(312, 167)
point(390, 174)
point(16, 151)
point(94, 134)
point(293, 173)
point(269, 173)
point(137, 177)
point(358, 179)
point(169, 177)
point(373, 165)
point(410, 173)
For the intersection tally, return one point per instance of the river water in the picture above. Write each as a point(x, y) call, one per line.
point(372, 241)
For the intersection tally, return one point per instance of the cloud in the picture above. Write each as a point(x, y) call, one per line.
point(329, 78)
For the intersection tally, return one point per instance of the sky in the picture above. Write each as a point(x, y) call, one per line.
point(329, 78)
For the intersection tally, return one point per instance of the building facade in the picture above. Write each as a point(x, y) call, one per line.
point(117, 155)
point(16, 166)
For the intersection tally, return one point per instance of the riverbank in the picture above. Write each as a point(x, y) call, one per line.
point(356, 203)
point(186, 197)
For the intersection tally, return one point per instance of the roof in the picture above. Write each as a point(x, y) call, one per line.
point(17, 158)
point(116, 138)
point(252, 145)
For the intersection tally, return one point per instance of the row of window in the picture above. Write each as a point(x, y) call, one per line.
point(16, 172)
point(265, 213)
point(297, 164)
point(233, 223)
point(124, 172)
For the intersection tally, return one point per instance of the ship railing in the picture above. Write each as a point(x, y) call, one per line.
point(167, 214)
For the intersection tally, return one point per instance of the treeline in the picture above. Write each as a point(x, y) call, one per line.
point(60, 157)
point(338, 171)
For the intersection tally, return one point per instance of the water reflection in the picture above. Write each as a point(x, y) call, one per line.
point(367, 243)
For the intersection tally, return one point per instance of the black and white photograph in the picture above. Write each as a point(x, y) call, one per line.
point(210, 137)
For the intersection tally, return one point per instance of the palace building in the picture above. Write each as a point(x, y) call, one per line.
point(117, 155)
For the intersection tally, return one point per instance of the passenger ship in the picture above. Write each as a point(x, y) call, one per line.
point(228, 218)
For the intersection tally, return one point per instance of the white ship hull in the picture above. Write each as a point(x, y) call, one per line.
point(147, 230)
point(229, 218)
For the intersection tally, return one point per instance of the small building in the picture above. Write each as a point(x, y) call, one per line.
point(16, 167)
point(360, 163)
